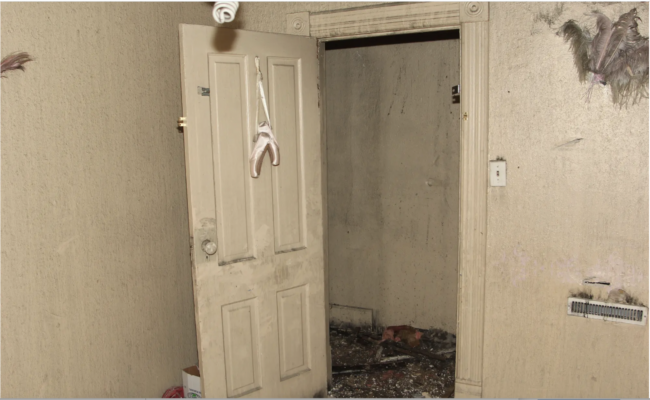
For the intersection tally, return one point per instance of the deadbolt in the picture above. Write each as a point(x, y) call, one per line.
point(209, 247)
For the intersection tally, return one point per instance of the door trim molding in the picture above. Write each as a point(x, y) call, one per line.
point(384, 19)
point(472, 229)
point(471, 18)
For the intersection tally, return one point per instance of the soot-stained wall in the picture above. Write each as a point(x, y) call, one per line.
point(392, 175)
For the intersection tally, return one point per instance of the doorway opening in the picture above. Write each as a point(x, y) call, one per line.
point(392, 133)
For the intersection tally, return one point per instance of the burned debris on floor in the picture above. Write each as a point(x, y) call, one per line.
point(394, 362)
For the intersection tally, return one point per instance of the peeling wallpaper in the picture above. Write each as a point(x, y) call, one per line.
point(96, 276)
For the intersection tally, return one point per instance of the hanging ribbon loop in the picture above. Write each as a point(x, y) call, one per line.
point(264, 139)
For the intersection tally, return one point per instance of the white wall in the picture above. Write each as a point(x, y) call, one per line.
point(96, 275)
point(567, 213)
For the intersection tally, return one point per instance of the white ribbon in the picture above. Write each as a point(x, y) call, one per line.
point(224, 11)
point(261, 89)
point(265, 140)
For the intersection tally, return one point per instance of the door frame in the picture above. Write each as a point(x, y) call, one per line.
point(472, 20)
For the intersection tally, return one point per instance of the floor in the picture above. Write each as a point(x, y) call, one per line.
point(365, 366)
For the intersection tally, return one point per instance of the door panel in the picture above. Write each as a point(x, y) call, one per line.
point(229, 113)
point(293, 324)
point(241, 338)
point(284, 82)
point(259, 301)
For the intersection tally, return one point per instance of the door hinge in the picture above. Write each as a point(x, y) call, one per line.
point(182, 122)
point(455, 94)
point(191, 248)
point(203, 91)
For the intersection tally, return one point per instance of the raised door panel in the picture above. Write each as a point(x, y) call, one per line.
point(241, 345)
point(288, 186)
point(229, 116)
point(293, 325)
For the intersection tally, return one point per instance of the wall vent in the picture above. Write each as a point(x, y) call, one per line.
point(607, 311)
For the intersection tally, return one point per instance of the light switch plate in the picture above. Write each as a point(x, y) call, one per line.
point(497, 173)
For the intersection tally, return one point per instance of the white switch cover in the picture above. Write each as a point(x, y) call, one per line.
point(497, 173)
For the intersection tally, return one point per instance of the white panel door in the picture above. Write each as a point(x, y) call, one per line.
point(260, 299)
